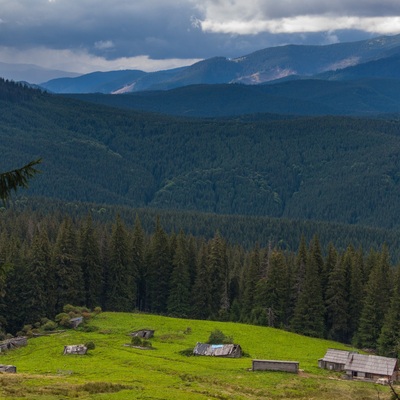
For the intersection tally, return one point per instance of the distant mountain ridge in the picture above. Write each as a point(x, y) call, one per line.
point(256, 68)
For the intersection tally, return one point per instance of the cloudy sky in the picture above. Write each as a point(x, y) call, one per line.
point(100, 35)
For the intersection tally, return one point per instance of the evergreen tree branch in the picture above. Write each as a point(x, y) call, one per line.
point(10, 181)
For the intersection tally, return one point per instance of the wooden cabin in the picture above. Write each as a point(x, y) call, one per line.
point(334, 360)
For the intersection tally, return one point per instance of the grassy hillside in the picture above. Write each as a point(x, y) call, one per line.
point(114, 371)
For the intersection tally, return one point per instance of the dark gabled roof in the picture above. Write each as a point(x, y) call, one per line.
point(336, 356)
point(371, 364)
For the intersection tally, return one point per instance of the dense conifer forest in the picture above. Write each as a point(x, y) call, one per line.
point(52, 258)
point(337, 169)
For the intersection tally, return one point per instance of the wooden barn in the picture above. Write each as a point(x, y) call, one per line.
point(13, 343)
point(275, 365)
point(218, 350)
point(372, 368)
point(334, 360)
point(143, 333)
point(79, 349)
point(9, 369)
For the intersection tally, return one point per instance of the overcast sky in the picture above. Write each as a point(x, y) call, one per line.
point(100, 35)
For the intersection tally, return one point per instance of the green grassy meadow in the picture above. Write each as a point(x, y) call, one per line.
point(113, 371)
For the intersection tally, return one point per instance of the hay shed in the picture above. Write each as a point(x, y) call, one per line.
point(275, 365)
point(9, 369)
point(143, 333)
point(218, 350)
point(13, 343)
point(79, 349)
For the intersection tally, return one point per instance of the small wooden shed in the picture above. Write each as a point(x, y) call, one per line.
point(9, 369)
point(143, 333)
point(79, 349)
point(13, 343)
point(218, 350)
point(276, 365)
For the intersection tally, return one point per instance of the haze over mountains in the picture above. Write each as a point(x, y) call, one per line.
point(353, 60)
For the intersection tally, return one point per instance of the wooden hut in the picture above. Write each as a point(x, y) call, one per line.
point(275, 365)
point(9, 369)
point(334, 360)
point(143, 333)
point(218, 350)
point(13, 343)
point(79, 349)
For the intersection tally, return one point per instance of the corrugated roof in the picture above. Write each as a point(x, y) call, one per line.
point(336, 356)
point(371, 364)
point(204, 349)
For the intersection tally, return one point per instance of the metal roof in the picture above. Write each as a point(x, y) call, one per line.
point(371, 364)
point(336, 356)
point(204, 349)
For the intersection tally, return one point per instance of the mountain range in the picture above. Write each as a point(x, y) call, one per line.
point(378, 57)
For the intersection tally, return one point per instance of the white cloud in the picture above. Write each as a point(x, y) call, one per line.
point(83, 62)
point(104, 44)
point(250, 17)
point(301, 24)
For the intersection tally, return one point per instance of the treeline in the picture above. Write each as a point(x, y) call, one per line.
point(350, 295)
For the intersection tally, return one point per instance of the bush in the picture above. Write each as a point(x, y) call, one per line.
point(218, 337)
point(50, 326)
point(90, 345)
point(136, 341)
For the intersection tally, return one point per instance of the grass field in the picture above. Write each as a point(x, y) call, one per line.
point(113, 371)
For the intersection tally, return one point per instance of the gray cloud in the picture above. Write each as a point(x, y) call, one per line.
point(84, 35)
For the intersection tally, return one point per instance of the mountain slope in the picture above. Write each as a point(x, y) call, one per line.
point(327, 168)
point(297, 97)
point(115, 371)
point(258, 67)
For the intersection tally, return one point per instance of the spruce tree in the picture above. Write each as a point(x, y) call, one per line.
point(40, 299)
point(68, 273)
point(160, 267)
point(337, 299)
point(389, 338)
point(179, 288)
point(121, 285)
point(138, 265)
point(308, 318)
point(89, 260)
point(376, 302)
point(201, 293)
point(252, 275)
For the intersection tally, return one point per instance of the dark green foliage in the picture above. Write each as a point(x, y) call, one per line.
point(160, 268)
point(10, 181)
point(389, 338)
point(180, 289)
point(121, 280)
point(69, 285)
point(298, 168)
point(218, 337)
point(89, 260)
point(376, 302)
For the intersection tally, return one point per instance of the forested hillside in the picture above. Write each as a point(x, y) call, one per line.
point(49, 259)
point(323, 168)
